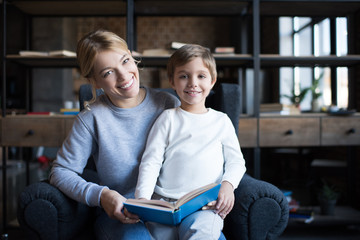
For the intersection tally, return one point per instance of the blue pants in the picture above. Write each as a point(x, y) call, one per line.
point(110, 229)
point(203, 224)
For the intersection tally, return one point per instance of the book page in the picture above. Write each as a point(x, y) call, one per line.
point(158, 204)
point(187, 197)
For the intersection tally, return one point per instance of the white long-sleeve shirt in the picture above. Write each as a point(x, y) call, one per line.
point(185, 151)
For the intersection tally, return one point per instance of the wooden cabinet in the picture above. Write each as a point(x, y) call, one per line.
point(247, 132)
point(32, 131)
point(289, 132)
point(340, 131)
point(305, 130)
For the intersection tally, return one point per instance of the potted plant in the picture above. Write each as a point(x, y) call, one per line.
point(316, 94)
point(328, 196)
point(297, 98)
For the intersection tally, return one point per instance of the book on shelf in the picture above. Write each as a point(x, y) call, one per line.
point(271, 107)
point(156, 52)
point(29, 53)
point(287, 194)
point(176, 45)
point(302, 214)
point(224, 50)
point(55, 53)
point(172, 213)
point(63, 52)
point(41, 113)
point(70, 111)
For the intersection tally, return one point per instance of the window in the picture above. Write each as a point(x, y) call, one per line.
point(304, 36)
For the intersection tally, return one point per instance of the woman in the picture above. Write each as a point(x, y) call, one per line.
point(112, 129)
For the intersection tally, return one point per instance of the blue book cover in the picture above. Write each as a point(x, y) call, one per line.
point(172, 213)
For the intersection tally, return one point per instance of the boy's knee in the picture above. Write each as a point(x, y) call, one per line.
point(202, 224)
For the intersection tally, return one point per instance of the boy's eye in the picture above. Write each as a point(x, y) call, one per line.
point(202, 76)
point(183, 76)
point(126, 60)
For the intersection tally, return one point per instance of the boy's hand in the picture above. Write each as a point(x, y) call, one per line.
point(225, 201)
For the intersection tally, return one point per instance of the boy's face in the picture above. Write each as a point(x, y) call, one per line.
point(192, 82)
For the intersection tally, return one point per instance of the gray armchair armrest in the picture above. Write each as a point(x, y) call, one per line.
point(260, 212)
point(44, 212)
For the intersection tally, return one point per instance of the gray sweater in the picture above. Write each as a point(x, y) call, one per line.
point(116, 138)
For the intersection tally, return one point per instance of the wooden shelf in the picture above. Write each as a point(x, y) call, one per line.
point(191, 8)
point(343, 215)
point(221, 60)
point(308, 61)
point(307, 8)
point(318, 8)
point(236, 60)
point(72, 8)
point(44, 62)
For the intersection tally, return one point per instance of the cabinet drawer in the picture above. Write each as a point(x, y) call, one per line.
point(30, 132)
point(289, 132)
point(340, 131)
point(247, 132)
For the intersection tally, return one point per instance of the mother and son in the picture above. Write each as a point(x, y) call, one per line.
point(147, 144)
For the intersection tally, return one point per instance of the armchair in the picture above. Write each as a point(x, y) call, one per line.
point(260, 211)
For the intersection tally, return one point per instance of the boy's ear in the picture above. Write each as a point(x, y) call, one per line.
point(171, 81)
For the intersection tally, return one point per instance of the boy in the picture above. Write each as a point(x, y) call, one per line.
point(191, 146)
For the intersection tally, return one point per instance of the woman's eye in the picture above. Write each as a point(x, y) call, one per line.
point(183, 76)
point(107, 74)
point(126, 60)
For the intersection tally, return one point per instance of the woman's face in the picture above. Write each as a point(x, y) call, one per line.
point(117, 74)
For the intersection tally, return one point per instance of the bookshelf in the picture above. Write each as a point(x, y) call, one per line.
point(249, 54)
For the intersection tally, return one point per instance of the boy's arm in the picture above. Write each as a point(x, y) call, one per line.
point(234, 162)
point(152, 158)
point(234, 170)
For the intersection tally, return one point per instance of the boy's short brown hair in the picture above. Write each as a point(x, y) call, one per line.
point(187, 53)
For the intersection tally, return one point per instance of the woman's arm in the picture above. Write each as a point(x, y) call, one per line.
point(70, 163)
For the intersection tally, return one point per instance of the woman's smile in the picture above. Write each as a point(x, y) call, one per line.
point(128, 84)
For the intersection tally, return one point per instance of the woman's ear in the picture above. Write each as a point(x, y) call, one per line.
point(213, 83)
point(94, 83)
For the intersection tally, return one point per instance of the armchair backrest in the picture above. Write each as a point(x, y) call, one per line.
point(226, 97)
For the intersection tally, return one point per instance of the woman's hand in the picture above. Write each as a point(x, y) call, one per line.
point(225, 201)
point(113, 204)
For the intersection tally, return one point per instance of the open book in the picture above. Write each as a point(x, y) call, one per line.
point(172, 213)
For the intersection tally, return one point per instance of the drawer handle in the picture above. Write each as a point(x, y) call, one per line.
point(351, 131)
point(30, 132)
point(289, 132)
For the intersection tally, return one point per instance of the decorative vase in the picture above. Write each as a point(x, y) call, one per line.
point(327, 206)
point(315, 105)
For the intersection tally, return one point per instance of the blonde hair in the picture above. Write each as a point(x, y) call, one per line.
point(187, 53)
point(89, 47)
